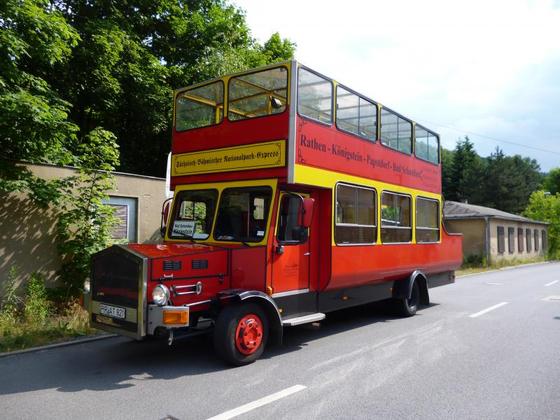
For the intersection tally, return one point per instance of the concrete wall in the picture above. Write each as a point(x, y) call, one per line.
point(474, 233)
point(28, 234)
point(497, 256)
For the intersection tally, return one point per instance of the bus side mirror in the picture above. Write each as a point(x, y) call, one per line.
point(307, 216)
point(164, 216)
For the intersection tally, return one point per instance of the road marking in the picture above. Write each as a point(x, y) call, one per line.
point(551, 283)
point(551, 298)
point(258, 403)
point(491, 308)
point(494, 284)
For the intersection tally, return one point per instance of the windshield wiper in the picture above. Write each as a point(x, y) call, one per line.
point(184, 235)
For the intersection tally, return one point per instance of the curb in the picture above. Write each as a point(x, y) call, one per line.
point(510, 267)
point(56, 345)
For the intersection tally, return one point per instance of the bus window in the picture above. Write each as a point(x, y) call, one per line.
point(396, 132)
point(243, 214)
point(355, 215)
point(194, 213)
point(426, 145)
point(427, 220)
point(355, 114)
point(200, 107)
point(257, 94)
point(314, 96)
point(395, 218)
point(289, 228)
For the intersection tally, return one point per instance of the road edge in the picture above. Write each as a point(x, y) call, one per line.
point(509, 267)
point(56, 345)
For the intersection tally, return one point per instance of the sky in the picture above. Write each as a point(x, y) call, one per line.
point(489, 69)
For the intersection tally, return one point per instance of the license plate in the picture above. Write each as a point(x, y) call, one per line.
point(112, 311)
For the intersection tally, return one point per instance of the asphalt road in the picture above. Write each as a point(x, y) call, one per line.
point(487, 348)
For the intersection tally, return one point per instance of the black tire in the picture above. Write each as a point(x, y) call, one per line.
point(407, 307)
point(227, 345)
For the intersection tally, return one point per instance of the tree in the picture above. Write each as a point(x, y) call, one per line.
point(551, 182)
point(509, 181)
point(34, 123)
point(446, 171)
point(467, 171)
point(133, 54)
point(546, 207)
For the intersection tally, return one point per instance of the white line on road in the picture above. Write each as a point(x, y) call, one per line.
point(258, 403)
point(491, 308)
point(551, 283)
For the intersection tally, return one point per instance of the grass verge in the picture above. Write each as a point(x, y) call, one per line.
point(474, 269)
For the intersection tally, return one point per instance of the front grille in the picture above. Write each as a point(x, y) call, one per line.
point(115, 277)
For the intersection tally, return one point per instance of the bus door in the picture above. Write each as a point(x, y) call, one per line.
point(291, 254)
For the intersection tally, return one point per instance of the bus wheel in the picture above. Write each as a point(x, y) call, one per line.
point(408, 306)
point(241, 333)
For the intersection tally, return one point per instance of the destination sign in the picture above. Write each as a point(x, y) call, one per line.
point(252, 156)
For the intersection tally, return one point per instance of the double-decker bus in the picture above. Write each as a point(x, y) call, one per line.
point(294, 196)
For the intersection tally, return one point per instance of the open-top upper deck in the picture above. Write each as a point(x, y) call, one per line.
point(289, 122)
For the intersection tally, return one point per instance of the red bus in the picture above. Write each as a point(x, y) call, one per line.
point(294, 196)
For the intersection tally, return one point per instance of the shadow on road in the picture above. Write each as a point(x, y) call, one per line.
point(118, 363)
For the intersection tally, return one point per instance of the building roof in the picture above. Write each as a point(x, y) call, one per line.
point(453, 210)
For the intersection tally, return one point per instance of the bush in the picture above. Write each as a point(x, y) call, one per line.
point(37, 308)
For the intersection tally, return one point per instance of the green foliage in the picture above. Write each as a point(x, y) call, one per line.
point(133, 54)
point(33, 118)
point(37, 308)
point(85, 224)
point(498, 181)
point(474, 260)
point(9, 300)
point(466, 172)
point(509, 181)
point(546, 207)
point(551, 182)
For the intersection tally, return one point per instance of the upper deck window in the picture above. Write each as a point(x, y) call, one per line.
point(200, 107)
point(314, 96)
point(257, 94)
point(396, 132)
point(426, 145)
point(355, 114)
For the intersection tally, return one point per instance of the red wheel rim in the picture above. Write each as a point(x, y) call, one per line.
point(249, 334)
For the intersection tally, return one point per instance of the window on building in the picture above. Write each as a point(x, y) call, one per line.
point(314, 96)
point(426, 145)
point(355, 215)
point(257, 94)
point(427, 220)
point(536, 235)
point(544, 242)
point(396, 220)
point(200, 106)
point(501, 240)
point(511, 240)
point(126, 213)
point(355, 114)
point(396, 132)
point(520, 240)
point(528, 237)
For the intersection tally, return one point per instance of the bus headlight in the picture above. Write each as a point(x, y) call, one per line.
point(160, 295)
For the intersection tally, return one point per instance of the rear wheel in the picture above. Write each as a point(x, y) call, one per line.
point(241, 333)
point(408, 306)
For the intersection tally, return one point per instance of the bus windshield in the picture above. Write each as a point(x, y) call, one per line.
point(243, 214)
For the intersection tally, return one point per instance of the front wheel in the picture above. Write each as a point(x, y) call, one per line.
point(408, 306)
point(241, 333)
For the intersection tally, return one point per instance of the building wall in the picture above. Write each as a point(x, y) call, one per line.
point(474, 234)
point(28, 234)
point(505, 253)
